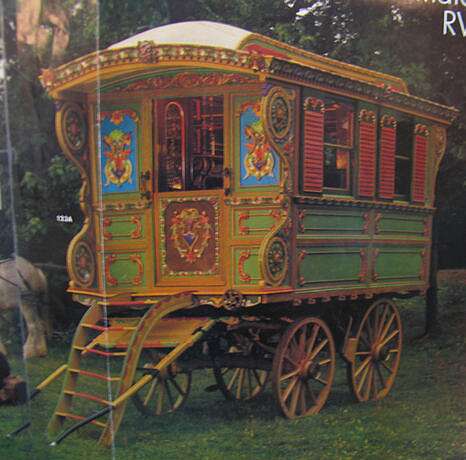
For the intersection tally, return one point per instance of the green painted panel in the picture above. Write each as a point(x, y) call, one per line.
point(400, 224)
point(254, 222)
point(246, 266)
point(127, 227)
point(127, 270)
point(327, 222)
point(398, 264)
point(329, 265)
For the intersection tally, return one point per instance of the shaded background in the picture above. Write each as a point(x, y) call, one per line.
point(403, 38)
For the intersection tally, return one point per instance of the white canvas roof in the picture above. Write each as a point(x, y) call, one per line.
point(203, 33)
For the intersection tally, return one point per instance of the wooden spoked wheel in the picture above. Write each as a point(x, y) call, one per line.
point(238, 383)
point(303, 368)
point(372, 372)
point(167, 392)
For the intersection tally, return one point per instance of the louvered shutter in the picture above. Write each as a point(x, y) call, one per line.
point(419, 163)
point(387, 157)
point(367, 153)
point(313, 171)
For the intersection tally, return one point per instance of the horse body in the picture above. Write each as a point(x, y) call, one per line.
point(25, 286)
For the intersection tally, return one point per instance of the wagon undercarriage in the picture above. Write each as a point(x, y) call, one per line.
point(148, 352)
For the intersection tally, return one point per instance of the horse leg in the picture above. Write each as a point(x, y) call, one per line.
point(35, 343)
point(2, 348)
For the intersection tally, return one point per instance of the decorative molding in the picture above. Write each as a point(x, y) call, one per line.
point(243, 276)
point(109, 260)
point(134, 234)
point(375, 275)
point(274, 261)
point(363, 272)
point(149, 53)
point(301, 215)
point(136, 259)
point(82, 263)
point(378, 93)
point(164, 203)
point(377, 219)
point(186, 80)
point(367, 222)
point(322, 201)
point(120, 206)
point(107, 222)
point(424, 268)
point(243, 230)
point(301, 256)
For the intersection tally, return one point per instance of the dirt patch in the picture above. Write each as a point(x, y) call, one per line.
point(457, 276)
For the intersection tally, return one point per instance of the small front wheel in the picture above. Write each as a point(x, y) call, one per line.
point(167, 392)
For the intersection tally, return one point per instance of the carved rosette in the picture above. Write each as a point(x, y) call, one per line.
point(388, 121)
point(367, 116)
point(275, 261)
point(83, 264)
point(313, 104)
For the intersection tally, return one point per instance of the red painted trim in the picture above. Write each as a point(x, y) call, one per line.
point(254, 48)
point(419, 168)
point(313, 177)
point(367, 153)
point(387, 162)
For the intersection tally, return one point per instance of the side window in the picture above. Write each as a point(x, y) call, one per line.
point(191, 135)
point(338, 144)
point(403, 158)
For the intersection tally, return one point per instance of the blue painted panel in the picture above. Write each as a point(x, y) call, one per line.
point(260, 165)
point(119, 151)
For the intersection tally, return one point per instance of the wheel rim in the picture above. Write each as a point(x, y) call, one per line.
point(303, 368)
point(237, 383)
point(378, 348)
point(166, 393)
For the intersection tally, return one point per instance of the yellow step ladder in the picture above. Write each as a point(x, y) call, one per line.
point(117, 342)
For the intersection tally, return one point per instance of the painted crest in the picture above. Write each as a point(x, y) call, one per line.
point(117, 149)
point(190, 232)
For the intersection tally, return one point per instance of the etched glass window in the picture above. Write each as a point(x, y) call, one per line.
point(338, 142)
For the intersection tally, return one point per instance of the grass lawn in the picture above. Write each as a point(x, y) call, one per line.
point(424, 417)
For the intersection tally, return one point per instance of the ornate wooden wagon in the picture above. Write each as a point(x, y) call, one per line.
point(249, 207)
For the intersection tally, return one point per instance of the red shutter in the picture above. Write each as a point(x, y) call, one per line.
point(313, 171)
point(367, 152)
point(387, 157)
point(419, 165)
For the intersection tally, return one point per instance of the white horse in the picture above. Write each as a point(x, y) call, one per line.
point(25, 286)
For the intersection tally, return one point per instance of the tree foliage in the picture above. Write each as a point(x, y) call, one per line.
point(390, 36)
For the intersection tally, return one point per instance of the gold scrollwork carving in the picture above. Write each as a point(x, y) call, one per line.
point(243, 276)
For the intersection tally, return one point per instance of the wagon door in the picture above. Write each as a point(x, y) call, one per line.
point(188, 170)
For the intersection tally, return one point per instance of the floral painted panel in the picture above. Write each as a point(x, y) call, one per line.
point(119, 151)
point(260, 165)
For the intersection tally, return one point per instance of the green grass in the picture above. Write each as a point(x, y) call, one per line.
point(422, 418)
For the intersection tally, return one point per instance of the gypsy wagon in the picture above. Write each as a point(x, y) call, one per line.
point(249, 207)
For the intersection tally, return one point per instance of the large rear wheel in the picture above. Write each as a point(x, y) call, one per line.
point(303, 368)
point(372, 370)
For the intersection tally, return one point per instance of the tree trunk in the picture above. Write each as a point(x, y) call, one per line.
point(432, 325)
